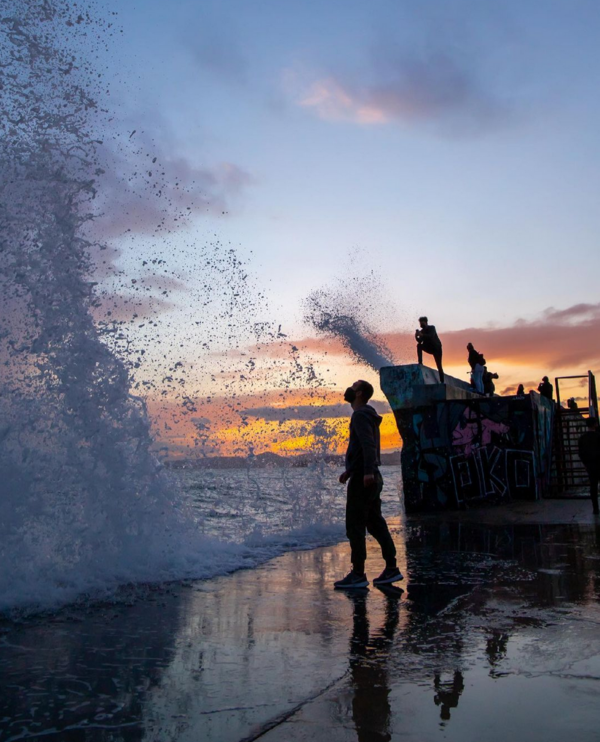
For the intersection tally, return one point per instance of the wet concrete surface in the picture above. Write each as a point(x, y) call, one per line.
point(494, 635)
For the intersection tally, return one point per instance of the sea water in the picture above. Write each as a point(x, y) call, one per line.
point(285, 505)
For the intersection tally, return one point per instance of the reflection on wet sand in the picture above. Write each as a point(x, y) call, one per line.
point(490, 615)
point(371, 709)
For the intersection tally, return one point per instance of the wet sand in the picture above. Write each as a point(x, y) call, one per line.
point(495, 636)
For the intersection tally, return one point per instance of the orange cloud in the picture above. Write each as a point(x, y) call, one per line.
point(294, 420)
point(560, 338)
point(227, 427)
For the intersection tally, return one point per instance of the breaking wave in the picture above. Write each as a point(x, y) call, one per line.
point(85, 504)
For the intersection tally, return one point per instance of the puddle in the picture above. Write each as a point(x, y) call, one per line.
point(493, 635)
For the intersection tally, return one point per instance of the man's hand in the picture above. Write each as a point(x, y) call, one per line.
point(344, 477)
point(369, 480)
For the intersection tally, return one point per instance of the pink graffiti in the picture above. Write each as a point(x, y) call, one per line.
point(466, 433)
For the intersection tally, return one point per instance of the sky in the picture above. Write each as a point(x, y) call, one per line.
point(447, 149)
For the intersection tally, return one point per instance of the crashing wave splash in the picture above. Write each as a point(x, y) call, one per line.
point(85, 506)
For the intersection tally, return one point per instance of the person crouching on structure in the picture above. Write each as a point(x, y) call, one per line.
point(489, 387)
point(428, 341)
point(363, 498)
point(589, 453)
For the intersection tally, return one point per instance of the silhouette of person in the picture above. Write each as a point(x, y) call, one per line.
point(429, 342)
point(545, 388)
point(363, 497)
point(488, 382)
point(371, 710)
point(589, 453)
point(520, 390)
point(476, 362)
point(572, 404)
point(448, 693)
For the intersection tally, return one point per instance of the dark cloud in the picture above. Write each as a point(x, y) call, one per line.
point(121, 307)
point(451, 69)
point(431, 89)
point(309, 412)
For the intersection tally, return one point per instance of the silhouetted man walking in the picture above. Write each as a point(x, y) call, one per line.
point(589, 453)
point(363, 503)
point(428, 341)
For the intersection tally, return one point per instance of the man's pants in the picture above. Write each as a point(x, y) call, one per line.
point(437, 357)
point(477, 375)
point(363, 512)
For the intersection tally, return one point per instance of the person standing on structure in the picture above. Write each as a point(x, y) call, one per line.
point(476, 362)
point(363, 499)
point(589, 453)
point(428, 341)
point(546, 389)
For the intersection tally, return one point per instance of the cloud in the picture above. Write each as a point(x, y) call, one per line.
point(145, 186)
point(557, 339)
point(117, 307)
point(309, 412)
point(421, 90)
point(162, 193)
point(432, 71)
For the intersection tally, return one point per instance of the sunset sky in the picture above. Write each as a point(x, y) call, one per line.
point(451, 148)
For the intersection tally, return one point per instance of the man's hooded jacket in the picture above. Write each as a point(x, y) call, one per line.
point(363, 454)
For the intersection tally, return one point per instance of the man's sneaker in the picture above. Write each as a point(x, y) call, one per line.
point(351, 581)
point(389, 575)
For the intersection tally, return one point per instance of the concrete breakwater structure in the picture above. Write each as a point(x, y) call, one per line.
point(459, 447)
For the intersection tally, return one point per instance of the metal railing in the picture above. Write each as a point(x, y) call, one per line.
point(568, 472)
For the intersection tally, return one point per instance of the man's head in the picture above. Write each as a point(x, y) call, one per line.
point(545, 378)
point(359, 393)
point(469, 346)
point(423, 321)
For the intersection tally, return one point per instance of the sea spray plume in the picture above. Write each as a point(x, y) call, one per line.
point(352, 333)
point(347, 311)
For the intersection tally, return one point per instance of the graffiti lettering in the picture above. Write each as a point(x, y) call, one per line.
point(494, 473)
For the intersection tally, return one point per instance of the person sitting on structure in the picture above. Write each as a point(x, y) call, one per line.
point(589, 453)
point(572, 404)
point(546, 389)
point(488, 382)
point(476, 362)
point(428, 341)
point(520, 390)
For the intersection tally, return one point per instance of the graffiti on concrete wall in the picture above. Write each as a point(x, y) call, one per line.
point(461, 451)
